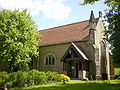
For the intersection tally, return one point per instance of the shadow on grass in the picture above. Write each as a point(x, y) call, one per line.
point(76, 86)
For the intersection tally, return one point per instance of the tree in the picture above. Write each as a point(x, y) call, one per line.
point(113, 19)
point(18, 38)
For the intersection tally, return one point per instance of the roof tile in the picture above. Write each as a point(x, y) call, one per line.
point(67, 33)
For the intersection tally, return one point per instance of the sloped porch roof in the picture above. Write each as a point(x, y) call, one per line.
point(79, 51)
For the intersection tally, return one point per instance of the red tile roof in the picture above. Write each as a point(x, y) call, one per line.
point(67, 33)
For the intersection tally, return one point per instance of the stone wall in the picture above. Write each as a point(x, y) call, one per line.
point(99, 37)
point(59, 51)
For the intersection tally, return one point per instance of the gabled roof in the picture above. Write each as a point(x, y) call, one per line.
point(67, 33)
point(78, 50)
point(63, 34)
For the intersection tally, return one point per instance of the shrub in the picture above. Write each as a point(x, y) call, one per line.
point(33, 77)
point(2, 83)
point(13, 78)
point(28, 78)
point(18, 78)
point(52, 76)
point(3, 79)
point(42, 78)
point(117, 73)
point(63, 78)
point(24, 78)
point(36, 77)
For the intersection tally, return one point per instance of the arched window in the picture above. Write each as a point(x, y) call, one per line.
point(49, 59)
point(103, 61)
point(103, 49)
point(103, 54)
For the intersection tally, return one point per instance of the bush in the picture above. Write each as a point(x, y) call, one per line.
point(117, 73)
point(36, 77)
point(3, 79)
point(28, 78)
point(24, 78)
point(33, 77)
point(52, 76)
point(18, 78)
point(2, 83)
point(63, 78)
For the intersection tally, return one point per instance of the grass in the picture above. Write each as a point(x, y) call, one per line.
point(77, 85)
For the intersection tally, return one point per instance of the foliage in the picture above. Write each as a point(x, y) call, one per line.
point(3, 79)
point(63, 78)
point(113, 17)
point(24, 78)
point(18, 38)
point(113, 30)
point(89, 2)
point(52, 76)
point(37, 77)
point(27, 78)
point(117, 73)
point(77, 85)
point(110, 3)
point(18, 78)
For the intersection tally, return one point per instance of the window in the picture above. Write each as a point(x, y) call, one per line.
point(103, 49)
point(103, 57)
point(50, 59)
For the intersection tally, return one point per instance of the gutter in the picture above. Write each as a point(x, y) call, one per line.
point(60, 43)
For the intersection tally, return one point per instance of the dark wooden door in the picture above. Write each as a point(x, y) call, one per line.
point(72, 69)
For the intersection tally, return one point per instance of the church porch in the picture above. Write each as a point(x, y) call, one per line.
point(76, 64)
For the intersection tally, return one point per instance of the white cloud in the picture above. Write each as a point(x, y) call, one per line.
point(16, 4)
point(51, 8)
point(55, 9)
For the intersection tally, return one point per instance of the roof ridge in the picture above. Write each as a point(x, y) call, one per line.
point(81, 52)
point(63, 25)
point(66, 33)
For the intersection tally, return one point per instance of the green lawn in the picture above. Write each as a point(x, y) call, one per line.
point(77, 85)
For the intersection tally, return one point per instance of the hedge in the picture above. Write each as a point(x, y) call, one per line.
point(28, 78)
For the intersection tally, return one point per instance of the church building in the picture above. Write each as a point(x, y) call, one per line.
point(79, 50)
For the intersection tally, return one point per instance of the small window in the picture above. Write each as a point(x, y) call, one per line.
point(49, 59)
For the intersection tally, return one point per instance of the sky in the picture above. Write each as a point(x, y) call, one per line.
point(52, 13)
